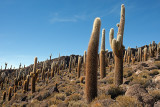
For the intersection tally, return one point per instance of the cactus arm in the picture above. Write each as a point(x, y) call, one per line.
point(111, 36)
point(122, 22)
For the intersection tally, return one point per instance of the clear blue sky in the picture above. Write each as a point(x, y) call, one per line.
point(30, 28)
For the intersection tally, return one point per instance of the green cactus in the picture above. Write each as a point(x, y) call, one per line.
point(117, 47)
point(92, 62)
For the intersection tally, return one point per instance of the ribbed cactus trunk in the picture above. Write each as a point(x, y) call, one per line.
point(102, 56)
point(92, 62)
point(35, 65)
point(118, 76)
point(117, 47)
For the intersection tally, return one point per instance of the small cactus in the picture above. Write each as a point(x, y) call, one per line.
point(117, 47)
point(4, 95)
point(2, 86)
point(28, 77)
point(79, 67)
point(25, 86)
point(43, 74)
point(9, 93)
point(69, 68)
point(48, 74)
point(16, 82)
point(52, 73)
point(92, 62)
point(15, 89)
point(133, 60)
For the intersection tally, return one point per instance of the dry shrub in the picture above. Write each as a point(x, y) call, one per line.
point(103, 96)
point(96, 104)
point(155, 94)
point(77, 104)
point(126, 101)
point(109, 80)
point(73, 97)
point(114, 91)
point(143, 79)
point(55, 101)
point(60, 96)
point(127, 72)
point(68, 91)
point(153, 72)
point(157, 63)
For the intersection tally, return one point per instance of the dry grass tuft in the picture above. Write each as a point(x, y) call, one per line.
point(126, 101)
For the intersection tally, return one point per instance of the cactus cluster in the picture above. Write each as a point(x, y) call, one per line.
point(117, 47)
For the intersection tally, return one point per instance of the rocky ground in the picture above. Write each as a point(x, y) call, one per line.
point(141, 88)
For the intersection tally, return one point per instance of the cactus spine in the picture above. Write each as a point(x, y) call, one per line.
point(102, 56)
point(35, 65)
point(92, 62)
point(117, 47)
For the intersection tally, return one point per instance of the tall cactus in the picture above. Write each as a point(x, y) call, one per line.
point(35, 65)
point(145, 54)
point(92, 62)
point(102, 56)
point(84, 62)
point(79, 67)
point(33, 80)
point(129, 54)
point(117, 47)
